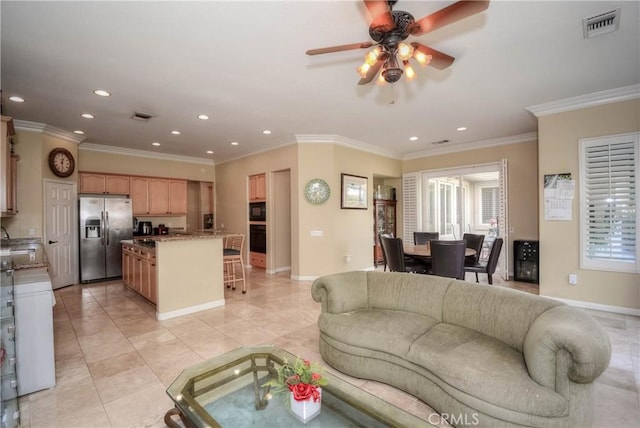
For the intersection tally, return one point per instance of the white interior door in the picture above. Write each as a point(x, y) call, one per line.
point(60, 208)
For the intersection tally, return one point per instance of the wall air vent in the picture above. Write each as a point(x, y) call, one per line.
point(142, 117)
point(601, 24)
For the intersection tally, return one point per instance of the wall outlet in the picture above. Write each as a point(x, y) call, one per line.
point(316, 233)
point(347, 259)
point(573, 279)
point(32, 231)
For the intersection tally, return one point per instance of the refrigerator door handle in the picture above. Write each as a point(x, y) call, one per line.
point(102, 226)
point(106, 232)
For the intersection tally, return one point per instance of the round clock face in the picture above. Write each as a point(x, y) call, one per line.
point(61, 162)
point(317, 191)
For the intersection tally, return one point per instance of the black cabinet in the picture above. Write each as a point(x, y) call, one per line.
point(526, 261)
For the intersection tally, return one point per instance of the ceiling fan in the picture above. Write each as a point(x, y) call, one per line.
point(389, 28)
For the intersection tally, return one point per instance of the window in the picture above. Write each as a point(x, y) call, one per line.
point(608, 217)
point(488, 203)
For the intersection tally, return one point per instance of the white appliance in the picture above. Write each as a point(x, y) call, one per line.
point(34, 301)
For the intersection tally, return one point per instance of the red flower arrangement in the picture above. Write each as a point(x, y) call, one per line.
point(302, 378)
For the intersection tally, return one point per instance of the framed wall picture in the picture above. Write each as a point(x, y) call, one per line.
point(354, 192)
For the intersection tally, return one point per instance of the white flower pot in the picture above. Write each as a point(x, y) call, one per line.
point(307, 409)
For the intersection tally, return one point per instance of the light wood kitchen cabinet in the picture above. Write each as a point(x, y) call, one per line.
point(257, 187)
point(139, 195)
point(139, 270)
point(104, 183)
point(167, 197)
point(258, 260)
point(8, 164)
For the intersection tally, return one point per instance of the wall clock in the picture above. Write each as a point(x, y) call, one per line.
point(317, 191)
point(61, 162)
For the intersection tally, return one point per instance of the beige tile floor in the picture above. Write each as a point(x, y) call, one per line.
point(114, 360)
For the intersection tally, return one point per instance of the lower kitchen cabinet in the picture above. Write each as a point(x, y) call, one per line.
point(258, 260)
point(139, 270)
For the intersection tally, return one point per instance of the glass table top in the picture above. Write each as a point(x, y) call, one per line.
point(227, 391)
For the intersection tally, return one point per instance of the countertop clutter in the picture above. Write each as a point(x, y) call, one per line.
point(26, 253)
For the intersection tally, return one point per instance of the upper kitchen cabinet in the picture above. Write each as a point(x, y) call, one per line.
point(104, 184)
point(8, 167)
point(167, 196)
point(257, 187)
point(140, 195)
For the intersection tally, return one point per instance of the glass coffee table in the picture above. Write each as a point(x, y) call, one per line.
point(227, 391)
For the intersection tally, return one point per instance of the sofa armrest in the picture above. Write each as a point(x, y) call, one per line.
point(341, 292)
point(569, 329)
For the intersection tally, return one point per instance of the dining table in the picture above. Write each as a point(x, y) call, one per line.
point(425, 251)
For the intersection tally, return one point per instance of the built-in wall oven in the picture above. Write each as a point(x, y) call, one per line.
point(258, 238)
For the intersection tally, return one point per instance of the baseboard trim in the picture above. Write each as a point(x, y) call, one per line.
point(598, 306)
point(304, 278)
point(278, 270)
point(189, 310)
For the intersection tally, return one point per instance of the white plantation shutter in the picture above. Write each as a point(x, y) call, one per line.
point(608, 215)
point(503, 219)
point(410, 205)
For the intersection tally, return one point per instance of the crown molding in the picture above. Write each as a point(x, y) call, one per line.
point(48, 130)
point(348, 142)
point(584, 101)
point(473, 145)
point(143, 154)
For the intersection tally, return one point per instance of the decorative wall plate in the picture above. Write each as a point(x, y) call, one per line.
point(317, 191)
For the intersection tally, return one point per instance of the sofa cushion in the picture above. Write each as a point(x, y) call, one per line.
point(422, 294)
point(501, 313)
point(484, 368)
point(392, 332)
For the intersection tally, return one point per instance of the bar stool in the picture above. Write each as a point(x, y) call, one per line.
point(232, 261)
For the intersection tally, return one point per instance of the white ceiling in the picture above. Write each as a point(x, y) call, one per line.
point(244, 64)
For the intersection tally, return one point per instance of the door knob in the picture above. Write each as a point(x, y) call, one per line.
point(53, 242)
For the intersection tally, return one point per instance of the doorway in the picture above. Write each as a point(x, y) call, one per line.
point(60, 232)
point(456, 201)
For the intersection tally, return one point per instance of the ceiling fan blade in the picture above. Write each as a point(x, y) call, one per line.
point(380, 13)
point(439, 60)
point(363, 45)
point(448, 15)
point(373, 72)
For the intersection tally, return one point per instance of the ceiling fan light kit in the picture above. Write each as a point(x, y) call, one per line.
point(390, 56)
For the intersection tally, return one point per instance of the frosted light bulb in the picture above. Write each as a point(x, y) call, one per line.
point(363, 70)
point(405, 51)
point(409, 71)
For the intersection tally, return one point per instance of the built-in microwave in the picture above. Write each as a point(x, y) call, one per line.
point(258, 211)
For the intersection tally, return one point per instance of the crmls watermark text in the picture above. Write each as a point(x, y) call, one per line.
point(461, 419)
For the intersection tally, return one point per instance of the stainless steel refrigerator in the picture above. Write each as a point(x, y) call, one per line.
point(104, 222)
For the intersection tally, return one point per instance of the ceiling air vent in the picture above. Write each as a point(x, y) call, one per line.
point(439, 142)
point(142, 117)
point(601, 24)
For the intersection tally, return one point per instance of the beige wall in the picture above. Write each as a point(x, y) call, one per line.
point(522, 181)
point(33, 149)
point(559, 240)
point(344, 232)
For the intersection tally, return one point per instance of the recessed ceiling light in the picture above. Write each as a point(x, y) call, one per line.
point(209, 152)
point(87, 116)
point(77, 131)
point(16, 99)
point(266, 132)
point(462, 128)
point(175, 132)
point(155, 143)
point(235, 143)
point(413, 139)
point(203, 117)
point(102, 93)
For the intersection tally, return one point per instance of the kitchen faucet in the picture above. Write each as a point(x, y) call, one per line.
point(5, 234)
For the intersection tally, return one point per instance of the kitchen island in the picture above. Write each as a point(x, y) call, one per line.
point(181, 274)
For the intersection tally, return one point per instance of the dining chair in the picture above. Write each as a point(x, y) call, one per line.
point(232, 261)
point(488, 267)
point(421, 238)
point(396, 261)
point(384, 255)
point(447, 258)
point(474, 242)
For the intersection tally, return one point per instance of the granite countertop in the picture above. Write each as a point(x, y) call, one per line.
point(26, 253)
point(178, 237)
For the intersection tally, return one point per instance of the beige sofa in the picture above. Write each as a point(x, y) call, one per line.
point(483, 355)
